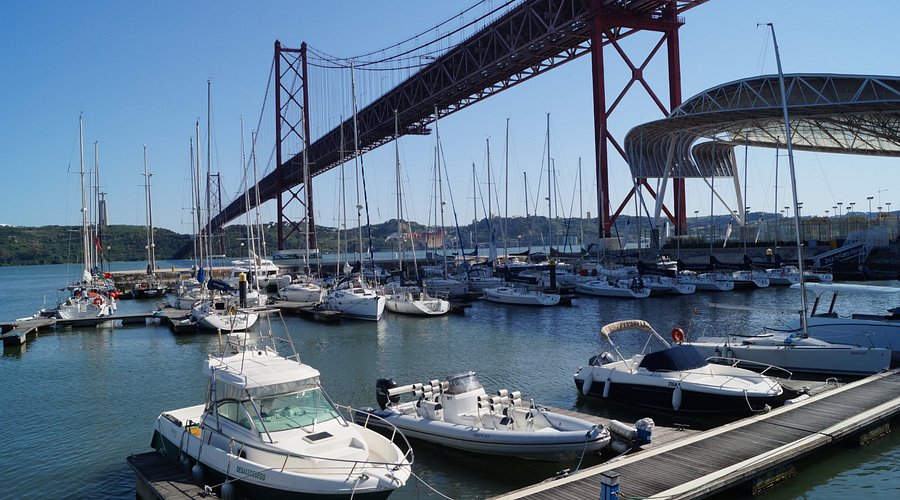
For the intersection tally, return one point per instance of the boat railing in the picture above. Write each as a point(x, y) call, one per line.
point(395, 434)
point(761, 368)
point(319, 463)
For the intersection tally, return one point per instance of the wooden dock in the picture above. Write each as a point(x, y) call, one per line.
point(158, 477)
point(713, 461)
point(20, 331)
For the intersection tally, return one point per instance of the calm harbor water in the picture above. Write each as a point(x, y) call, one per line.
point(77, 402)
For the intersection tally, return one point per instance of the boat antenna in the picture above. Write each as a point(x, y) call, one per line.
point(787, 139)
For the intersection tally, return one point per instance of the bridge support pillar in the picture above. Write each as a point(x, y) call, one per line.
point(610, 26)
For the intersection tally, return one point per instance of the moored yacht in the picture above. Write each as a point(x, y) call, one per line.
point(268, 429)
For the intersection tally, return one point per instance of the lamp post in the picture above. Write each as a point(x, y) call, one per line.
point(870, 198)
point(696, 227)
point(849, 210)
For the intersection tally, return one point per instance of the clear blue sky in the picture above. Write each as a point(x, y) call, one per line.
point(138, 71)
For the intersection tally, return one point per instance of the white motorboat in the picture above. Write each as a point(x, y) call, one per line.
point(269, 430)
point(667, 285)
point(708, 282)
point(303, 291)
point(458, 413)
point(783, 276)
point(796, 353)
point(677, 378)
point(260, 273)
point(747, 279)
point(416, 302)
point(207, 315)
point(520, 296)
point(353, 298)
point(447, 286)
point(634, 288)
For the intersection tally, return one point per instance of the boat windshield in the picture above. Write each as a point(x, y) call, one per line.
point(292, 411)
point(461, 384)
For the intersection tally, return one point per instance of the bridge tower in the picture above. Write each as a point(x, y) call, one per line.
point(292, 129)
point(609, 26)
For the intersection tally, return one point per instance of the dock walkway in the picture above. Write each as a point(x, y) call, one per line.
point(715, 460)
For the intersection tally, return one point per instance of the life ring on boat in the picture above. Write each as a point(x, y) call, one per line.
point(678, 335)
point(98, 301)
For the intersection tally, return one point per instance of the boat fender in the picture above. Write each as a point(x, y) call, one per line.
point(98, 301)
point(197, 473)
point(678, 335)
point(588, 382)
point(622, 430)
point(228, 491)
point(797, 399)
point(606, 386)
point(676, 399)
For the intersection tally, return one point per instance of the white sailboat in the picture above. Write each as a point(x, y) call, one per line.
point(633, 288)
point(410, 300)
point(796, 351)
point(88, 299)
point(353, 296)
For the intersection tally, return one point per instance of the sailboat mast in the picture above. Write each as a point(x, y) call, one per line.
point(359, 207)
point(399, 194)
point(85, 247)
point(506, 193)
point(342, 221)
point(475, 206)
point(306, 190)
point(580, 205)
point(200, 230)
point(437, 162)
point(150, 266)
point(787, 139)
point(549, 189)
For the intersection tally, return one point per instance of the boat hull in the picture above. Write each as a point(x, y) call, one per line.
point(580, 438)
point(834, 360)
point(661, 398)
point(294, 477)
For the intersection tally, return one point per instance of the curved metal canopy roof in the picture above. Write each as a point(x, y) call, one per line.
point(828, 113)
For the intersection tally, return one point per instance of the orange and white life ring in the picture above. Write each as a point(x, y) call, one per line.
point(678, 335)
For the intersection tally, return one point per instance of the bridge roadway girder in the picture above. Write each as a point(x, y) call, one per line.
point(530, 39)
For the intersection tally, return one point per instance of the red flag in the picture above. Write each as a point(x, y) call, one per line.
point(99, 246)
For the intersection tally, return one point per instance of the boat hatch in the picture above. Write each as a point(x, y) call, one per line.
point(675, 359)
point(319, 436)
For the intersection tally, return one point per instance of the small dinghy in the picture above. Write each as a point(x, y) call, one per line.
point(458, 413)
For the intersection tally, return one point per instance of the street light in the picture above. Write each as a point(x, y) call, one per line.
point(870, 198)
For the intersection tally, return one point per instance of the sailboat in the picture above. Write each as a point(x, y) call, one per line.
point(796, 351)
point(405, 299)
point(443, 284)
point(219, 309)
point(89, 299)
point(150, 287)
point(352, 296)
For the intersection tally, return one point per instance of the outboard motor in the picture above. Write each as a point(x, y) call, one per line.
point(382, 386)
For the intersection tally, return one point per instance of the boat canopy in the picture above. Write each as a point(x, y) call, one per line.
point(628, 324)
point(260, 374)
point(674, 359)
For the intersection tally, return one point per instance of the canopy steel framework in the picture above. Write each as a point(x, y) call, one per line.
point(829, 113)
point(532, 38)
